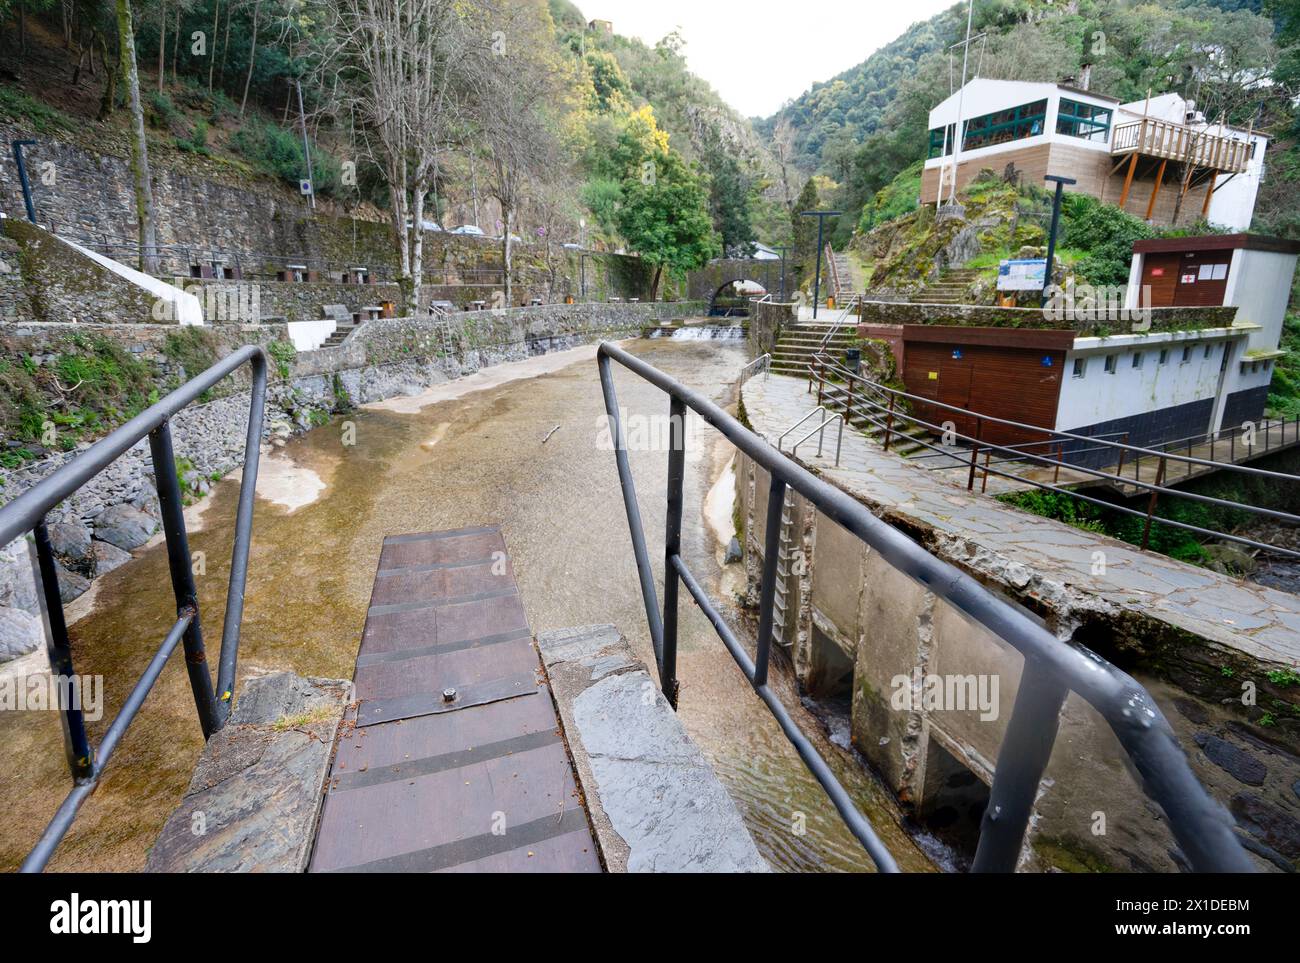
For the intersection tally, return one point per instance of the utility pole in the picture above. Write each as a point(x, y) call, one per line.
point(1060, 183)
point(958, 134)
point(306, 150)
point(817, 278)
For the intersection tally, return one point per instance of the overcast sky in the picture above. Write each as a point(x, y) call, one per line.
point(760, 53)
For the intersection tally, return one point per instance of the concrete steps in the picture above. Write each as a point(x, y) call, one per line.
point(798, 344)
point(952, 287)
point(339, 336)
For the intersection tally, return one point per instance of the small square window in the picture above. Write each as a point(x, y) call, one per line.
point(1268, 366)
point(1164, 356)
point(1209, 350)
point(1112, 362)
point(1187, 354)
point(1080, 367)
point(1137, 359)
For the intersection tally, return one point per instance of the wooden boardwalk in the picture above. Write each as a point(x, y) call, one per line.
point(454, 759)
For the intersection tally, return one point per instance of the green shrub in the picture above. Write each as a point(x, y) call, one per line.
point(278, 152)
point(1106, 233)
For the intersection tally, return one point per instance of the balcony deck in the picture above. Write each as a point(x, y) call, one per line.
point(1165, 140)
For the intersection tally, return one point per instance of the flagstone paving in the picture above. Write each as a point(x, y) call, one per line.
point(1035, 556)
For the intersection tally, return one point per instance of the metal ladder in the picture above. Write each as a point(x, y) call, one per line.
point(783, 558)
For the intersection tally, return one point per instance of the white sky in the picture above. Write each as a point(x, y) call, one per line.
point(760, 53)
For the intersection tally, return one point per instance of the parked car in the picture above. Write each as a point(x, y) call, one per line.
point(427, 225)
point(469, 230)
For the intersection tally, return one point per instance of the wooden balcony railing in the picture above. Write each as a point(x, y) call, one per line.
point(1178, 142)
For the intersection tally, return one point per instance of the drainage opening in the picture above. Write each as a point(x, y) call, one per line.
point(953, 800)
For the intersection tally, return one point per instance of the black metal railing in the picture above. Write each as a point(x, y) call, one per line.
point(1052, 668)
point(866, 402)
point(28, 512)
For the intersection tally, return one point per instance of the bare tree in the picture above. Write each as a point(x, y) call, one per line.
point(395, 65)
point(512, 92)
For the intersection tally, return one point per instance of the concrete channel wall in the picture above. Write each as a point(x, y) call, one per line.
point(857, 630)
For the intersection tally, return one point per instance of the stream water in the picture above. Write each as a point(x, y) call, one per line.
point(464, 455)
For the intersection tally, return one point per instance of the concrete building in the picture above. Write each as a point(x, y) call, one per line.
point(1158, 159)
point(1200, 361)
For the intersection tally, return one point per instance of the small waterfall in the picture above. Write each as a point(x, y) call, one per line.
point(701, 332)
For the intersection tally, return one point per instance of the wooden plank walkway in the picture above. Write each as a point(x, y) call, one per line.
point(454, 760)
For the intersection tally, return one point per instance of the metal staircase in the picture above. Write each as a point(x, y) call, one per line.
point(784, 557)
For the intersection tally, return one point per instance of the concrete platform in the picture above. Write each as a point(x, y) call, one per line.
point(654, 801)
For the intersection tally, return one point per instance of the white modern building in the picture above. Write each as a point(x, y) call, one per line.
point(1158, 159)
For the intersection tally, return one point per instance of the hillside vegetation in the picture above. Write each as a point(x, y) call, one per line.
point(1213, 51)
point(533, 125)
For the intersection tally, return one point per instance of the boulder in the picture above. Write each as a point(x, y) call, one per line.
point(20, 633)
point(1232, 559)
point(70, 539)
point(108, 557)
point(18, 577)
point(125, 527)
point(1238, 763)
point(72, 585)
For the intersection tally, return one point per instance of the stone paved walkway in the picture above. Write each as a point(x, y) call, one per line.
point(1037, 555)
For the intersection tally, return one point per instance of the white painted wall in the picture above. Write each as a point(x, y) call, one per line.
point(1259, 286)
point(310, 335)
point(984, 96)
point(184, 308)
point(1099, 396)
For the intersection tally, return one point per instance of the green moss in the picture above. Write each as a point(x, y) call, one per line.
point(1070, 856)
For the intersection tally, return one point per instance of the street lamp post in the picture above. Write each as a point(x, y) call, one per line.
point(18, 146)
point(1060, 183)
point(817, 278)
point(781, 249)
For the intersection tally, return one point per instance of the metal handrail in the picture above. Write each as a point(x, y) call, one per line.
point(28, 512)
point(839, 322)
point(839, 444)
point(761, 363)
point(890, 414)
point(1052, 667)
point(820, 409)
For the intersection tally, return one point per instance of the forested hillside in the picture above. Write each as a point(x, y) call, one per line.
point(508, 115)
point(1235, 58)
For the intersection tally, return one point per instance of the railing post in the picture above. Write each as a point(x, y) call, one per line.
point(821, 385)
point(974, 455)
point(1119, 469)
point(767, 592)
point(1151, 506)
point(673, 546)
point(76, 744)
point(1022, 759)
point(988, 458)
point(179, 561)
point(848, 402)
point(889, 422)
point(1060, 456)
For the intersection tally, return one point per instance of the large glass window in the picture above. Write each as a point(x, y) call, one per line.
point(941, 141)
point(1015, 123)
point(1087, 121)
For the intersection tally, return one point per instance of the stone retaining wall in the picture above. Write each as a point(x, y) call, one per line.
point(766, 321)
